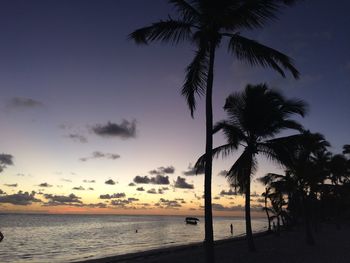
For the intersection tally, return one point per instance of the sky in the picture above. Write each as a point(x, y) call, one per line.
point(97, 124)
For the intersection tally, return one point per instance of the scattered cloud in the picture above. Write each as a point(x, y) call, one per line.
point(100, 155)
point(152, 191)
point(5, 160)
point(2, 192)
point(120, 203)
point(124, 130)
point(80, 188)
point(55, 200)
point(116, 195)
point(11, 185)
point(223, 173)
point(23, 103)
point(193, 171)
point(77, 137)
point(21, 198)
point(229, 192)
point(163, 170)
point(45, 185)
point(110, 182)
point(132, 199)
point(140, 189)
point(169, 204)
point(91, 189)
point(131, 184)
point(158, 179)
point(66, 180)
point(181, 183)
point(89, 181)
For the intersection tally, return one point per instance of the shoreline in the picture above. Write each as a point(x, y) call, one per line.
point(290, 246)
point(129, 257)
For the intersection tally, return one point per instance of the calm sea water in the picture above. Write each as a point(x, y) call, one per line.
point(67, 238)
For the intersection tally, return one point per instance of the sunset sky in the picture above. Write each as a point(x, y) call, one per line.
point(97, 124)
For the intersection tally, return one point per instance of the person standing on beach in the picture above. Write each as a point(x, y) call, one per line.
point(231, 227)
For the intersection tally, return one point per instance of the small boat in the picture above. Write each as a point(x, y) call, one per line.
point(191, 220)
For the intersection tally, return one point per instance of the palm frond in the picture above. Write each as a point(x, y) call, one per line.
point(257, 54)
point(189, 12)
point(223, 150)
point(232, 132)
point(196, 78)
point(241, 170)
point(293, 106)
point(170, 30)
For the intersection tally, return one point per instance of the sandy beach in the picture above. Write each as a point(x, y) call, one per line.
point(332, 246)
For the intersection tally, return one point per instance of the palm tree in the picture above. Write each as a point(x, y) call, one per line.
point(206, 23)
point(255, 116)
point(266, 196)
point(299, 158)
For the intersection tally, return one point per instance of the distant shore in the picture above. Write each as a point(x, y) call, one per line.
point(332, 245)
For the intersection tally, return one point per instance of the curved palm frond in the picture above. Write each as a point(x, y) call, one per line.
point(170, 30)
point(294, 106)
point(196, 78)
point(234, 135)
point(237, 175)
point(223, 150)
point(188, 11)
point(257, 54)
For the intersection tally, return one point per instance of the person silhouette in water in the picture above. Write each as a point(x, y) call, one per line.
point(231, 227)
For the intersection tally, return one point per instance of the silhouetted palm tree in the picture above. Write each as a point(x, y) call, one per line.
point(206, 23)
point(254, 117)
point(266, 208)
point(299, 160)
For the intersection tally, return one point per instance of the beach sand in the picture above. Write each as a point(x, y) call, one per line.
point(332, 246)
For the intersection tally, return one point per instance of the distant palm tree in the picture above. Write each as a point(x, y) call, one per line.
point(266, 208)
point(206, 23)
point(255, 116)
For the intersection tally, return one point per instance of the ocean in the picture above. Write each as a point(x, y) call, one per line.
point(39, 238)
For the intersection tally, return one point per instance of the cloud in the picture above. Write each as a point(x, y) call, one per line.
point(21, 198)
point(66, 180)
point(163, 170)
point(45, 185)
point(2, 192)
point(140, 189)
point(23, 103)
point(100, 155)
point(229, 192)
point(124, 130)
point(110, 182)
point(193, 171)
point(159, 179)
point(89, 181)
point(80, 188)
point(120, 203)
point(260, 200)
point(141, 179)
point(11, 185)
point(77, 137)
point(165, 203)
point(5, 160)
point(55, 200)
point(131, 184)
point(223, 173)
point(132, 199)
point(152, 191)
point(91, 189)
point(181, 183)
point(116, 195)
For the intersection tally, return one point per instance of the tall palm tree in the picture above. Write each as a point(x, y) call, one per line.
point(206, 24)
point(255, 116)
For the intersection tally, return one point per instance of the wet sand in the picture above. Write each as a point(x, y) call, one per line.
point(332, 246)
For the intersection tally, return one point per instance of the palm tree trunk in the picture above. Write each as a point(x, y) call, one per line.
point(248, 222)
point(308, 231)
point(267, 212)
point(209, 240)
